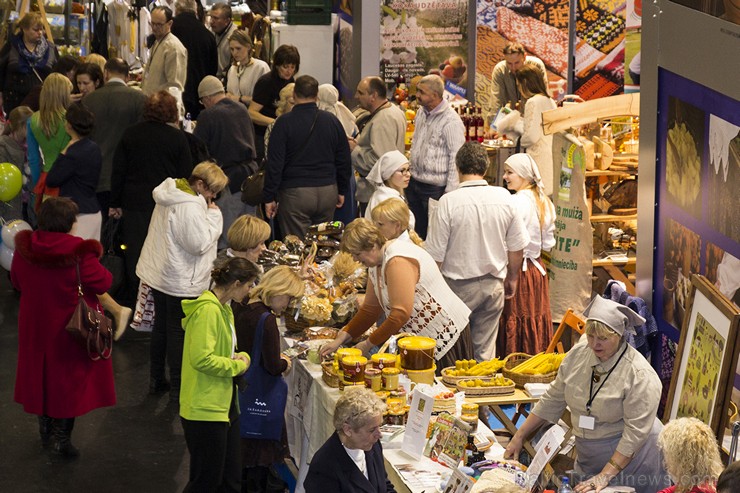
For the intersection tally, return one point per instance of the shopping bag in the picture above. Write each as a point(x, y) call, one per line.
point(143, 320)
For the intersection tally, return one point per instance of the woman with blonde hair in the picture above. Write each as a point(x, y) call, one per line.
point(393, 218)
point(284, 105)
point(405, 284)
point(691, 456)
point(176, 262)
point(96, 59)
point(526, 321)
point(46, 132)
point(244, 70)
point(25, 60)
point(257, 333)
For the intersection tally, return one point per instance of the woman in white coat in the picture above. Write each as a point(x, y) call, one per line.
point(390, 175)
point(531, 85)
point(176, 262)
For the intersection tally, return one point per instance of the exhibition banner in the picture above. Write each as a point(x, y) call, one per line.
point(425, 37)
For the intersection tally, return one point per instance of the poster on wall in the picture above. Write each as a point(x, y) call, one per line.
point(697, 231)
point(419, 37)
point(344, 49)
point(632, 46)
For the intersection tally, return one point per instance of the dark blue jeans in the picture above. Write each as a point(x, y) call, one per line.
point(418, 195)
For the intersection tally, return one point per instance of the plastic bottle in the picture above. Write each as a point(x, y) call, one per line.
point(565, 486)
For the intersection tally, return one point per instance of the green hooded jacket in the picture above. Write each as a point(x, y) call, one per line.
point(207, 366)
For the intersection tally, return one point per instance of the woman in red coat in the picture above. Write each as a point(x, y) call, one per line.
point(55, 378)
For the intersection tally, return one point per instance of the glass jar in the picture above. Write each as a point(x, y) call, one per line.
point(373, 379)
point(470, 415)
point(390, 378)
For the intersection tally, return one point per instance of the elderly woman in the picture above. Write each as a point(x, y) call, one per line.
point(149, 152)
point(526, 321)
point(390, 175)
point(208, 407)
point(393, 219)
point(405, 284)
point(244, 70)
point(328, 100)
point(691, 456)
point(56, 380)
point(256, 323)
point(176, 261)
point(351, 460)
point(25, 61)
point(612, 393)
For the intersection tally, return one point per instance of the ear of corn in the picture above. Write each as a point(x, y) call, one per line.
point(540, 364)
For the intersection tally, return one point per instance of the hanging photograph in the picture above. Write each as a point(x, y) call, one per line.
point(684, 149)
point(724, 176)
point(682, 255)
point(706, 358)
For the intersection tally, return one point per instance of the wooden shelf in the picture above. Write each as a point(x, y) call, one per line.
point(608, 172)
point(601, 262)
point(608, 218)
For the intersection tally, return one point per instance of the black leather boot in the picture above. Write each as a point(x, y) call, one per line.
point(45, 429)
point(63, 438)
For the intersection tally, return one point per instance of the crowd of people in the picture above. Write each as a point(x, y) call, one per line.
point(468, 273)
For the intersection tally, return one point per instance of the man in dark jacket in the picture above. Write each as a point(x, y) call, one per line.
point(202, 52)
point(308, 163)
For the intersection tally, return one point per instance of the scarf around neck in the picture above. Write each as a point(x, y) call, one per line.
point(29, 60)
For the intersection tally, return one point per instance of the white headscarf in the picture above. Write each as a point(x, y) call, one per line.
point(523, 165)
point(328, 100)
point(384, 167)
point(619, 318)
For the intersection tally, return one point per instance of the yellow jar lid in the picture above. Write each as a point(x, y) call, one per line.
point(391, 371)
point(417, 342)
point(470, 407)
point(383, 357)
point(348, 351)
point(353, 360)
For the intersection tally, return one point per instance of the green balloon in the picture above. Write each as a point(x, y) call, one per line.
point(11, 181)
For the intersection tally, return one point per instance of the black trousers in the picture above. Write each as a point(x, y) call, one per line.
point(134, 228)
point(215, 456)
point(167, 338)
point(418, 195)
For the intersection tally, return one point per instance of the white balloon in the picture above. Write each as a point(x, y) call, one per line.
point(6, 257)
point(11, 229)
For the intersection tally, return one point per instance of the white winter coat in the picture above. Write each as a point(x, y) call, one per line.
point(180, 245)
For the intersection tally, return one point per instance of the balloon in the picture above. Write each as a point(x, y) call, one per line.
point(6, 257)
point(11, 229)
point(10, 181)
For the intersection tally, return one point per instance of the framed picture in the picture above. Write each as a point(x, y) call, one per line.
point(706, 358)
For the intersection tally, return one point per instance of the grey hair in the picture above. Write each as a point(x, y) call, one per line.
point(435, 83)
point(472, 159)
point(185, 6)
point(356, 407)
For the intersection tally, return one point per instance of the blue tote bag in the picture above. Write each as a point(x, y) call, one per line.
point(262, 403)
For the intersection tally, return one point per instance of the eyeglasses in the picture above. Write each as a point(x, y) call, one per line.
point(158, 24)
point(404, 171)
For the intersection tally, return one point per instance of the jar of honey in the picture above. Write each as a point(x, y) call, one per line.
point(470, 415)
point(383, 360)
point(390, 378)
point(353, 368)
point(346, 351)
point(417, 353)
point(373, 379)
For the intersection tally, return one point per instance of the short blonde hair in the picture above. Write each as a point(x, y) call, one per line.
point(96, 59)
point(285, 93)
point(356, 407)
point(690, 453)
point(31, 19)
point(53, 102)
point(247, 232)
point(280, 280)
point(396, 210)
point(361, 235)
point(597, 328)
point(212, 174)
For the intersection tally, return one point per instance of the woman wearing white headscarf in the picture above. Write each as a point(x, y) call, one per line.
point(390, 176)
point(612, 394)
point(526, 322)
point(329, 101)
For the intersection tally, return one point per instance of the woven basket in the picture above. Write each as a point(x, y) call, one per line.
point(451, 381)
point(520, 379)
point(328, 376)
point(485, 391)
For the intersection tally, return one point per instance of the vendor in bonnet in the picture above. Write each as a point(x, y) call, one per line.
point(612, 393)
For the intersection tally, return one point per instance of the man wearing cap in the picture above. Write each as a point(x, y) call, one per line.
point(612, 393)
point(478, 238)
point(226, 129)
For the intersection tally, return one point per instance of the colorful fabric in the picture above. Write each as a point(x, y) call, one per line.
point(548, 43)
point(602, 30)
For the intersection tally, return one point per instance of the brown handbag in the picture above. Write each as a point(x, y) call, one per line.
point(92, 329)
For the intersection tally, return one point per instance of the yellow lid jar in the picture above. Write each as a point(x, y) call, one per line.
point(417, 353)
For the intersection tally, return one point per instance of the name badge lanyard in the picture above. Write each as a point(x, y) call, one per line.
point(591, 393)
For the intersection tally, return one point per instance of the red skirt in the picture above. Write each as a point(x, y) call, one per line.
point(526, 322)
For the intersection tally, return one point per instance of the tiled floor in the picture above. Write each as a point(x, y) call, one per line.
point(135, 446)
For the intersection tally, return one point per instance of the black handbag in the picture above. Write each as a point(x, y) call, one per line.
point(252, 188)
point(92, 329)
point(111, 260)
